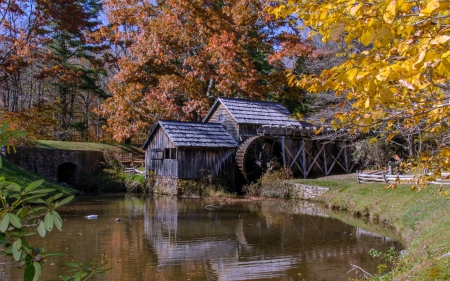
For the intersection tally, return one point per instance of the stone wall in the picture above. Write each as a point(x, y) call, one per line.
point(307, 192)
point(164, 185)
point(60, 165)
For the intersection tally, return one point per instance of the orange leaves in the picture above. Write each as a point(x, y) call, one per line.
point(180, 55)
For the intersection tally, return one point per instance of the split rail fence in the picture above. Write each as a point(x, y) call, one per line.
point(130, 163)
point(384, 176)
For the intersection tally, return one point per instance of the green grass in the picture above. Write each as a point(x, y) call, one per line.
point(24, 177)
point(96, 146)
point(420, 219)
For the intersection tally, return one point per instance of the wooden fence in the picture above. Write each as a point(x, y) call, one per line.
point(130, 160)
point(132, 170)
point(383, 176)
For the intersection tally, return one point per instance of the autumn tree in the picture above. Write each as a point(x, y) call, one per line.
point(59, 67)
point(181, 55)
point(398, 81)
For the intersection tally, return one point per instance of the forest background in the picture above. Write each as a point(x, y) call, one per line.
point(90, 70)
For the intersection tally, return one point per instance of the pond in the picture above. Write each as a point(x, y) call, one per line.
point(163, 238)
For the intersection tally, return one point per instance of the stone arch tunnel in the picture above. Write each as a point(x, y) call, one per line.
point(68, 166)
point(67, 173)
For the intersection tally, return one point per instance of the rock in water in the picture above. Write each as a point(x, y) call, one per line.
point(91, 217)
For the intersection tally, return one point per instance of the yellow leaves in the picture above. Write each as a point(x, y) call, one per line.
point(440, 40)
point(445, 152)
point(367, 37)
point(337, 30)
point(387, 96)
point(383, 35)
point(377, 114)
point(372, 140)
point(355, 8)
point(430, 7)
point(291, 78)
point(391, 12)
point(365, 124)
point(367, 103)
point(419, 61)
point(350, 74)
point(444, 67)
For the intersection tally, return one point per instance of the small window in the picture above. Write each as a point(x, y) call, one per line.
point(170, 153)
point(157, 154)
point(220, 117)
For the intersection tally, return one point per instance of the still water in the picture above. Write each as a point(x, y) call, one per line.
point(162, 238)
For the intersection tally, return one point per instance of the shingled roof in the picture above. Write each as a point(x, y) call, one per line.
point(255, 112)
point(194, 134)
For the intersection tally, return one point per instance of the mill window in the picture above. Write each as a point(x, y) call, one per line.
point(170, 153)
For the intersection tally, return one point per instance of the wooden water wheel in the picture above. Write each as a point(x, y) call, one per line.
point(257, 155)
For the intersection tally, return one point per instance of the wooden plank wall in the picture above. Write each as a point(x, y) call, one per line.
point(228, 122)
point(248, 130)
point(195, 162)
point(165, 167)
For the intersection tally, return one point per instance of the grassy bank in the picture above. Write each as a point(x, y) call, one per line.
point(95, 146)
point(421, 220)
point(24, 177)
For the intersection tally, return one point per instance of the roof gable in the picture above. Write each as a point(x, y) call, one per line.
point(194, 134)
point(255, 112)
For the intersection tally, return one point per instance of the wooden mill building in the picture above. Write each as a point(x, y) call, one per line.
point(240, 138)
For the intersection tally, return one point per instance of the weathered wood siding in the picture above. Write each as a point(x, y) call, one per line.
point(248, 130)
point(161, 167)
point(195, 162)
point(221, 115)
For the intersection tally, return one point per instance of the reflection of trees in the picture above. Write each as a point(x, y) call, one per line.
point(259, 240)
point(169, 239)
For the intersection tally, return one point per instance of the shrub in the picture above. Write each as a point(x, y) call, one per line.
point(373, 153)
point(134, 182)
point(272, 184)
point(198, 188)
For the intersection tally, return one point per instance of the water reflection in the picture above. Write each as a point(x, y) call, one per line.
point(163, 238)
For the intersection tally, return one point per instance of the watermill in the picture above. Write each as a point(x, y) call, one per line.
point(258, 154)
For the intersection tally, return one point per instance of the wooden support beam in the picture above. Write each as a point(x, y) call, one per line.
point(283, 153)
point(336, 160)
point(346, 160)
point(304, 159)
point(315, 161)
point(294, 159)
point(325, 165)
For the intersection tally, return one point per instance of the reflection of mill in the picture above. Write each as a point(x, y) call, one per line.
point(266, 242)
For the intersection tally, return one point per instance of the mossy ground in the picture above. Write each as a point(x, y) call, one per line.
point(420, 219)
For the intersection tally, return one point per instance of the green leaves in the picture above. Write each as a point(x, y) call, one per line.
point(27, 211)
point(66, 200)
point(34, 185)
point(17, 253)
point(14, 220)
point(48, 221)
point(4, 223)
point(29, 272)
point(41, 229)
point(32, 272)
point(84, 270)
